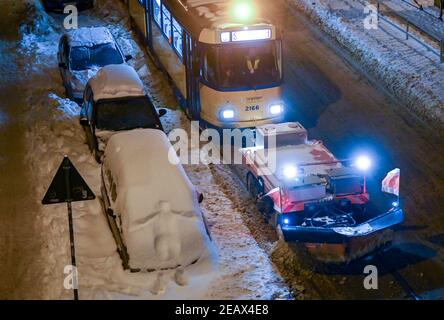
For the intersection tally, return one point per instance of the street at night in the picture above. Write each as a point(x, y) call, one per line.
point(221, 150)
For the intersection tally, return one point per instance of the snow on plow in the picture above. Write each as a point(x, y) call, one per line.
point(315, 199)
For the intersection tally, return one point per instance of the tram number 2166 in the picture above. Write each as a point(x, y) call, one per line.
point(252, 108)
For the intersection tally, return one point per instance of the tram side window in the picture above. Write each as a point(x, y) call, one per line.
point(166, 25)
point(177, 37)
point(210, 65)
point(156, 12)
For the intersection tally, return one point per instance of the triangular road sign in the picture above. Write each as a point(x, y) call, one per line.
point(67, 186)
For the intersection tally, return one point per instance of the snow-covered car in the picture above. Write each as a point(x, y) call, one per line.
point(82, 52)
point(151, 205)
point(115, 100)
point(59, 5)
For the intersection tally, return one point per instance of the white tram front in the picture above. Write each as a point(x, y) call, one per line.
point(224, 61)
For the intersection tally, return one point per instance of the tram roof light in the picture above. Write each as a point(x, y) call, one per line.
point(243, 10)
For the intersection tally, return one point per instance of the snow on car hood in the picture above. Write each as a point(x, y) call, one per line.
point(79, 78)
point(165, 238)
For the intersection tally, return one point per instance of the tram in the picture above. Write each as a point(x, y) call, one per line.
point(224, 61)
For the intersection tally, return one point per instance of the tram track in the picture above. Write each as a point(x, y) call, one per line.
point(402, 282)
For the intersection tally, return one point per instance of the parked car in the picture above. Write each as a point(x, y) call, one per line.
point(115, 100)
point(59, 5)
point(151, 205)
point(82, 53)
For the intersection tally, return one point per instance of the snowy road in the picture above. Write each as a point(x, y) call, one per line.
point(18, 221)
point(331, 95)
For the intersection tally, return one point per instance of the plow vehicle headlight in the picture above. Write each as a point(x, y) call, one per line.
point(290, 171)
point(276, 109)
point(227, 114)
point(363, 163)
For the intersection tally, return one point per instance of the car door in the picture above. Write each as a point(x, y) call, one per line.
point(60, 57)
point(64, 60)
point(87, 114)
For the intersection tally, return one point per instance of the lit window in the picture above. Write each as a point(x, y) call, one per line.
point(225, 37)
point(156, 11)
point(166, 22)
point(177, 37)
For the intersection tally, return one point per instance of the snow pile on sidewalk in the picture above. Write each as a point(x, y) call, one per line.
point(405, 68)
point(245, 271)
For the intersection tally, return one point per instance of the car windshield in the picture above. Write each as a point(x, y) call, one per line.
point(126, 114)
point(245, 66)
point(83, 58)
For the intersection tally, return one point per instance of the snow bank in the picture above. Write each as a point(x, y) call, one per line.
point(406, 69)
point(162, 225)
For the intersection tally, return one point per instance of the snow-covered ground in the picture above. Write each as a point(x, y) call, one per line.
point(244, 270)
point(405, 68)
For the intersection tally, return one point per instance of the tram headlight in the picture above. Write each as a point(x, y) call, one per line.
point(227, 114)
point(277, 108)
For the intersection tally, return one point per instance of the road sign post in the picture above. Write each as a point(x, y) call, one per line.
point(69, 186)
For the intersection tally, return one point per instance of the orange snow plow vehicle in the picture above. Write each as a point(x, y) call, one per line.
point(315, 199)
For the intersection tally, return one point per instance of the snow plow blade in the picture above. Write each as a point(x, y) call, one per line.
point(344, 244)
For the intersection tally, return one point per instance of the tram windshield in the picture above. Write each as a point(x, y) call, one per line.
point(243, 66)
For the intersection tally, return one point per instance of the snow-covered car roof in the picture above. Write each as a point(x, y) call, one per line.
point(116, 81)
point(158, 206)
point(90, 36)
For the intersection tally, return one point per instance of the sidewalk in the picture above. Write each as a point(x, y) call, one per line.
point(427, 19)
point(409, 71)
